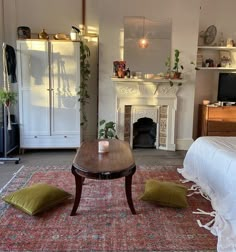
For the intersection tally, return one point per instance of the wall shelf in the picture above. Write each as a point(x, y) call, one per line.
point(226, 56)
point(218, 68)
point(216, 48)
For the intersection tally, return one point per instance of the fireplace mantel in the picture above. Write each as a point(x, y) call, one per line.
point(147, 92)
point(146, 87)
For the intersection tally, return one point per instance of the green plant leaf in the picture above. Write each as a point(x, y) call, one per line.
point(85, 76)
point(107, 129)
point(102, 122)
point(7, 96)
point(110, 125)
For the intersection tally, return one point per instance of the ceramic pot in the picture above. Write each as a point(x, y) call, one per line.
point(23, 32)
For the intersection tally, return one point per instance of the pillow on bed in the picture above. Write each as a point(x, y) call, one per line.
point(36, 198)
point(165, 193)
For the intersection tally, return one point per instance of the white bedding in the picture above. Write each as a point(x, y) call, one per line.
point(211, 163)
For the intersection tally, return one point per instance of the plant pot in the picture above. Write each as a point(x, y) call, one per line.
point(177, 75)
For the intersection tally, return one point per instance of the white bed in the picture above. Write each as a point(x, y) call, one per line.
point(211, 163)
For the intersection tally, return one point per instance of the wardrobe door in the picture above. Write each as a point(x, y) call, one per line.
point(65, 81)
point(33, 78)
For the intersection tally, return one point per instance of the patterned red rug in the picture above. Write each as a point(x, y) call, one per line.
point(103, 221)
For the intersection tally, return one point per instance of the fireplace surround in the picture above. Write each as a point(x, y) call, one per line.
point(154, 99)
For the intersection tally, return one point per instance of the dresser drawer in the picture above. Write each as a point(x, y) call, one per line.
point(227, 112)
point(221, 126)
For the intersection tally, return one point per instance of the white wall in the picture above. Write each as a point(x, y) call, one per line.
point(185, 20)
point(106, 16)
point(222, 15)
point(1, 41)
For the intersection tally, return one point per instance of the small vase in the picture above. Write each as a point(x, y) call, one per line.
point(43, 35)
point(121, 73)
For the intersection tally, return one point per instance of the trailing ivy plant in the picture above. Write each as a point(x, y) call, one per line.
point(84, 77)
point(107, 130)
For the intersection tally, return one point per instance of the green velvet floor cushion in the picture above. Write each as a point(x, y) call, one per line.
point(36, 198)
point(165, 193)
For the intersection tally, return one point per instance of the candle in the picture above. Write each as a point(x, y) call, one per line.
point(206, 102)
point(103, 146)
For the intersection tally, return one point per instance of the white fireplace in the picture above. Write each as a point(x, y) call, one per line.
point(155, 99)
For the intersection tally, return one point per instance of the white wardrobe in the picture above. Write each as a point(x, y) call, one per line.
point(48, 79)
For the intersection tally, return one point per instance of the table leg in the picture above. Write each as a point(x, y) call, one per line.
point(78, 190)
point(128, 184)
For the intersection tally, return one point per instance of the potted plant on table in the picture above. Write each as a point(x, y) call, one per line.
point(107, 130)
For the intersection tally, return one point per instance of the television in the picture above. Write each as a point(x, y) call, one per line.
point(227, 87)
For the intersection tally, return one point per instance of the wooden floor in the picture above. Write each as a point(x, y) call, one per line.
point(65, 157)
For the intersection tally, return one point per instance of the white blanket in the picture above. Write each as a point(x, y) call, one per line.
point(211, 163)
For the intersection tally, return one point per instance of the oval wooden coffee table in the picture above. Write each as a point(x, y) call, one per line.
point(117, 163)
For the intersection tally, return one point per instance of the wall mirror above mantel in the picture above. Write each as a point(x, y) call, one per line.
point(158, 33)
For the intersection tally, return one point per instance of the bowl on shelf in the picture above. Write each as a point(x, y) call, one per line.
point(149, 76)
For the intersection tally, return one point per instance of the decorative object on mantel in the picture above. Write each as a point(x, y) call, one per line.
point(168, 68)
point(23, 32)
point(119, 68)
point(43, 35)
point(177, 66)
point(149, 76)
point(175, 73)
point(107, 130)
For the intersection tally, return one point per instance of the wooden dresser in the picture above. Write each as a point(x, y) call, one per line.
point(216, 121)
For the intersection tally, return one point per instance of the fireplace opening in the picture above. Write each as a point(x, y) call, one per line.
point(144, 133)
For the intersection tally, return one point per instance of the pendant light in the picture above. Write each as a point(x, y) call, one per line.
point(143, 42)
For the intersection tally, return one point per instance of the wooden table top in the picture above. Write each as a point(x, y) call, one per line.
point(90, 161)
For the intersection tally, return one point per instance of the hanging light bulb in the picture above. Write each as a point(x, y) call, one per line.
point(143, 42)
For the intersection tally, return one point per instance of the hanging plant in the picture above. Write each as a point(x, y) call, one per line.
point(84, 77)
point(7, 97)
